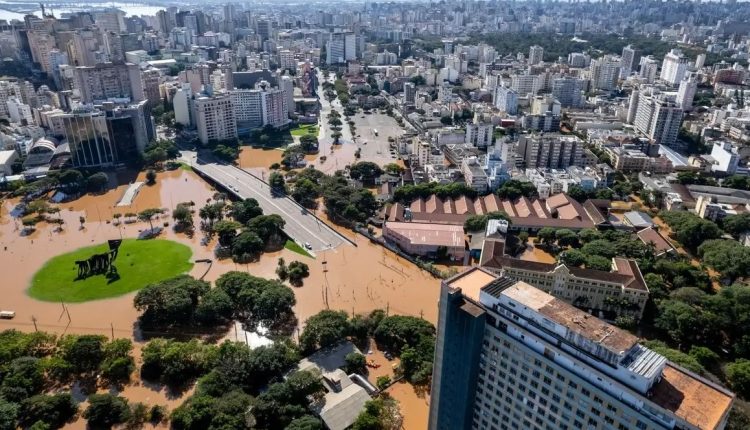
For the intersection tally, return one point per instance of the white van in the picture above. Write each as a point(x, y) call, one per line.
point(7, 315)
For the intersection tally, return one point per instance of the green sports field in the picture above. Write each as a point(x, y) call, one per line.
point(138, 263)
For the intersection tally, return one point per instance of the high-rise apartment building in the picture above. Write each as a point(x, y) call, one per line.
point(648, 70)
point(259, 107)
point(109, 81)
point(629, 61)
point(287, 60)
point(686, 92)
point(214, 118)
point(151, 79)
point(181, 102)
point(579, 60)
point(550, 150)
point(526, 84)
point(568, 91)
point(536, 54)
point(506, 99)
point(410, 93)
point(479, 133)
point(286, 83)
point(341, 47)
point(509, 356)
point(605, 72)
point(673, 67)
point(658, 117)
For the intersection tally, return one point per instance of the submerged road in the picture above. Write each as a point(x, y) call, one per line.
point(301, 225)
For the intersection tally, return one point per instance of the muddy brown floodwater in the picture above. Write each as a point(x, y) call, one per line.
point(355, 279)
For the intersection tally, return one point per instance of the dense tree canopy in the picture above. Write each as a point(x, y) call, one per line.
point(689, 229)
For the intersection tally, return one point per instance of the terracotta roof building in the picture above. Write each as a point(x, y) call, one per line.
point(558, 211)
point(622, 291)
point(426, 239)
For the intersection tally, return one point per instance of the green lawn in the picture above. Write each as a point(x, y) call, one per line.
point(294, 247)
point(304, 129)
point(139, 262)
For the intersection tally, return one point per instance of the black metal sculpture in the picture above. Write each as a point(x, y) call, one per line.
point(99, 263)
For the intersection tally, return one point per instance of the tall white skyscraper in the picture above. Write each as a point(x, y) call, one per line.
point(510, 356)
point(673, 67)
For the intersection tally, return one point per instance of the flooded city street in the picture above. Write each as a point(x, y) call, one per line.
point(355, 279)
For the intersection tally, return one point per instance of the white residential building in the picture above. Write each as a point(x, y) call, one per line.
point(658, 118)
point(215, 119)
point(686, 93)
point(605, 73)
point(726, 157)
point(673, 67)
point(506, 99)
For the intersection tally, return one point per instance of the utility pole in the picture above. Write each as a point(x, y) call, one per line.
point(112, 328)
point(33, 319)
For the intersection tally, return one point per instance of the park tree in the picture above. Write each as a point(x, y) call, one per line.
point(9, 412)
point(244, 210)
point(306, 192)
point(588, 235)
point(214, 308)
point(150, 177)
point(365, 171)
point(247, 245)
point(566, 237)
point(211, 213)
point(382, 413)
point(277, 182)
point(171, 302)
point(85, 352)
point(296, 272)
point(689, 229)
point(53, 410)
point(22, 378)
point(546, 234)
point(573, 258)
point(176, 363)
point(117, 363)
point(737, 224)
point(393, 169)
point(287, 401)
point(355, 363)
point(226, 230)
point(71, 180)
point(269, 228)
point(597, 262)
point(97, 182)
point(738, 376)
point(513, 189)
point(306, 422)
point(728, 257)
point(600, 247)
point(578, 193)
point(309, 142)
point(183, 216)
point(148, 215)
point(106, 410)
point(323, 329)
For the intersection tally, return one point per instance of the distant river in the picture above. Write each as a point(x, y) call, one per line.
point(128, 8)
